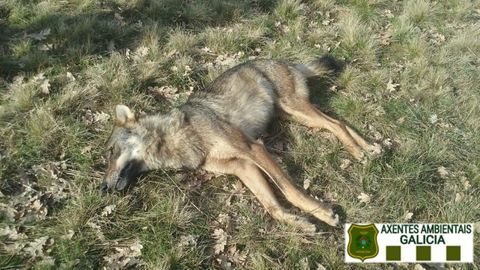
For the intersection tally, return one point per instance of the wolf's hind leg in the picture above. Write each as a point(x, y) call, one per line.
point(306, 113)
point(253, 179)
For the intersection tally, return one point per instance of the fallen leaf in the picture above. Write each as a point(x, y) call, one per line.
point(45, 47)
point(220, 237)
point(108, 210)
point(141, 51)
point(388, 13)
point(401, 120)
point(124, 255)
point(70, 76)
point(68, 235)
point(97, 229)
point(364, 198)
point(459, 197)
point(442, 171)
point(223, 219)
point(45, 87)
point(433, 119)
point(164, 92)
point(187, 240)
point(345, 163)
point(306, 183)
point(386, 39)
point(10, 232)
point(418, 267)
point(95, 120)
point(391, 86)
point(35, 248)
point(237, 256)
point(408, 216)
point(466, 183)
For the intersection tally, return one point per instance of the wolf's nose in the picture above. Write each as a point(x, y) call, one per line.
point(104, 188)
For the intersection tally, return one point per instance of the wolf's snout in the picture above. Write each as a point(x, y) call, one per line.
point(103, 188)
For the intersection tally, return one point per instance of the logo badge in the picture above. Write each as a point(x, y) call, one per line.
point(362, 241)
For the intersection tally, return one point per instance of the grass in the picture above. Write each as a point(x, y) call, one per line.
point(65, 64)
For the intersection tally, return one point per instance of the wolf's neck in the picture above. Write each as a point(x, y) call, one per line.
point(174, 143)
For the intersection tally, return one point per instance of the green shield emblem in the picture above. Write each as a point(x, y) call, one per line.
point(362, 241)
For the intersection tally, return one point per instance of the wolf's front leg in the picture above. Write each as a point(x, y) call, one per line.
point(253, 179)
point(258, 155)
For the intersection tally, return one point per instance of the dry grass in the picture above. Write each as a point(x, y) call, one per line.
point(411, 83)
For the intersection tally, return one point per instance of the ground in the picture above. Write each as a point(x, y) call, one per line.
point(411, 83)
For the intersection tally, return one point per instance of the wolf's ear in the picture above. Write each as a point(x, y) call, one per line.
point(124, 115)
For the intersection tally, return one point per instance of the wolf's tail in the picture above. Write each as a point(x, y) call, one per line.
point(323, 66)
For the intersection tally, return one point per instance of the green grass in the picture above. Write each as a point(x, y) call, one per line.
point(65, 64)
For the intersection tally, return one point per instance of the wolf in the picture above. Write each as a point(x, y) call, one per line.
point(218, 130)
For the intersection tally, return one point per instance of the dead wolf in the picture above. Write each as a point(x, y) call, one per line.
point(218, 129)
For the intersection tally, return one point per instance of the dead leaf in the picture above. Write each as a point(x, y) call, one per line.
point(364, 198)
point(459, 197)
point(306, 183)
point(408, 216)
point(36, 248)
point(95, 120)
point(70, 76)
point(14, 248)
point(386, 39)
point(388, 13)
point(187, 240)
point(45, 47)
point(433, 119)
point(68, 235)
point(345, 163)
point(97, 229)
point(8, 212)
point(236, 256)
point(443, 172)
point(141, 51)
point(124, 255)
point(418, 267)
point(11, 233)
point(223, 220)
point(220, 237)
point(466, 183)
point(164, 92)
point(401, 120)
point(108, 210)
point(391, 86)
point(45, 87)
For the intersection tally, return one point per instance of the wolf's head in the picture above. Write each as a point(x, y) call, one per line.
point(126, 151)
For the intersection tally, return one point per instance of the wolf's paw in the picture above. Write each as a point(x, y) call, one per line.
point(333, 221)
point(328, 216)
point(370, 152)
point(359, 155)
point(305, 225)
point(301, 223)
